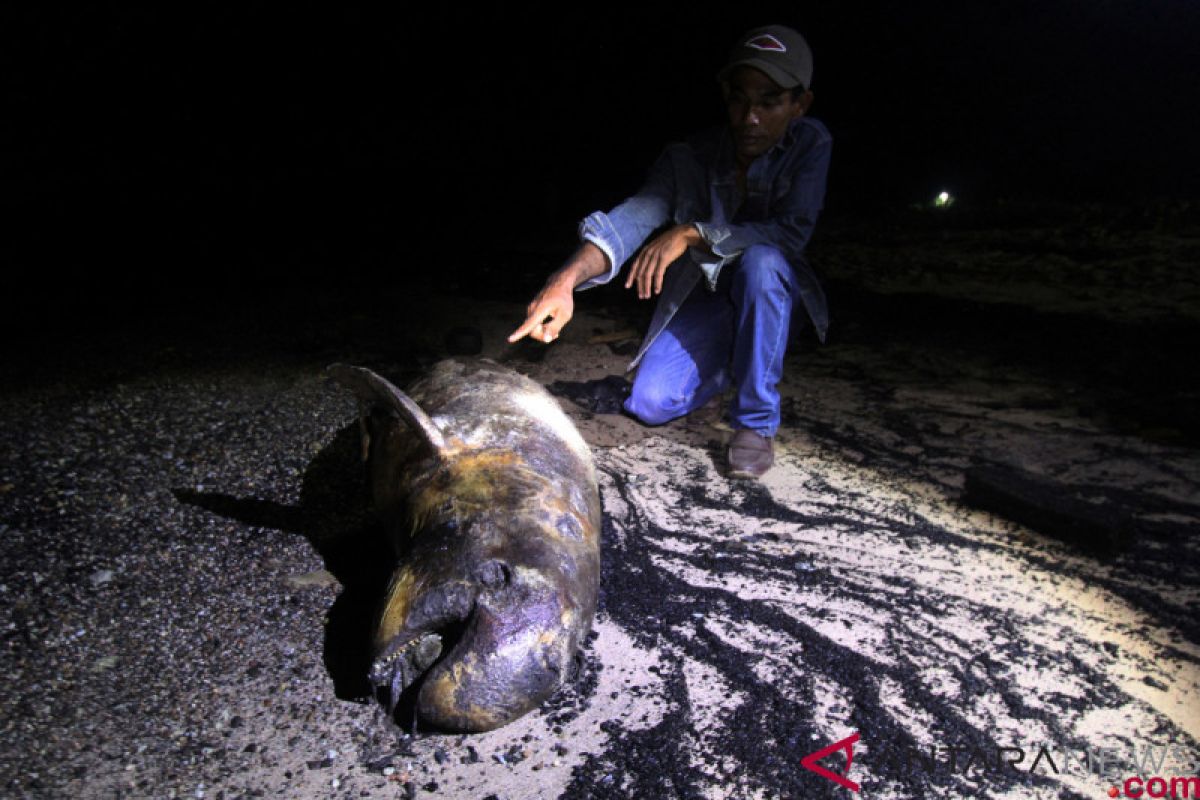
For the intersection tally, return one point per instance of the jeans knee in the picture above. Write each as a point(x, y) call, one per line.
point(763, 267)
point(651, 405)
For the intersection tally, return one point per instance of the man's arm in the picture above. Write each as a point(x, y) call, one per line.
point(608, 239)
point(621, 231)
point(554, 304)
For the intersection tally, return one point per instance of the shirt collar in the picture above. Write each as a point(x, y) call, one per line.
point(789, 135)
point(787, 140)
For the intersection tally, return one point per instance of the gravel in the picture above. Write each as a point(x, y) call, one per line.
point(188, 568)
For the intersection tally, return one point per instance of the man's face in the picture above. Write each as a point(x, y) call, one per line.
point(759, 111)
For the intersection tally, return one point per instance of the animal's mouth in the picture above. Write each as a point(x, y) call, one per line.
point(406, 662)
point(409, 656)
point(474, 655)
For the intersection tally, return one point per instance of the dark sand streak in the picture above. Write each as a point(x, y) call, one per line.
point(767, 733)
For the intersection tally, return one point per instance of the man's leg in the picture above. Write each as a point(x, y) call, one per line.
point(763, 293)
point(688, 363)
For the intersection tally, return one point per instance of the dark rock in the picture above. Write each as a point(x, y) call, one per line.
point(380, 764)
point(604, 396)
point(1048, 507)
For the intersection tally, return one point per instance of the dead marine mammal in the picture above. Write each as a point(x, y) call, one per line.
point(489, 496)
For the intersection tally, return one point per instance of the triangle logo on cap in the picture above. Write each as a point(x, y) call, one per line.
point(766, 41)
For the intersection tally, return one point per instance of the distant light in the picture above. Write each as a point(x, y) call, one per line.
point(943, 200)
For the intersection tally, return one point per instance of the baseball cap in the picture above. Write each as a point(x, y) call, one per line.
point(778, 51)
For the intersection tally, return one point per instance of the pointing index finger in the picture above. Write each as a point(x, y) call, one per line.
point(524, 330)
point(536, 318)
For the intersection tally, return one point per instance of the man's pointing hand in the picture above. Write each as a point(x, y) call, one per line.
point(548, 313)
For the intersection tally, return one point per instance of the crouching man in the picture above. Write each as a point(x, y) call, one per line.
point(742, 200)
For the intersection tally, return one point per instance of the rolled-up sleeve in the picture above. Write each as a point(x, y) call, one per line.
point(792, 220)
point(621, 231)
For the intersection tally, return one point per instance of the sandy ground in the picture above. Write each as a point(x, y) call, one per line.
point(189, 570)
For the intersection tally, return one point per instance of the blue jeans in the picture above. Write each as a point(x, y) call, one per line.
point(735, 336)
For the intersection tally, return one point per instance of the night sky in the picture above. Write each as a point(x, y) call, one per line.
point(211, 148)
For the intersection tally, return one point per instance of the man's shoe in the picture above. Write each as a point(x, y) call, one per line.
point(750, 454)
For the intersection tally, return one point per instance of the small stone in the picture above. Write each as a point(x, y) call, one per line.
point(317, 578)
point(381, 765)
point(106, 663)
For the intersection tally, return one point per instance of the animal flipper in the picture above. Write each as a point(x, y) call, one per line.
point(374, 390)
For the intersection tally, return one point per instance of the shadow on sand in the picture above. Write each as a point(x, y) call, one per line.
point(334, 515)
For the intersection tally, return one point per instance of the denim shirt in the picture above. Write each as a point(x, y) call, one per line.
point(695, 182)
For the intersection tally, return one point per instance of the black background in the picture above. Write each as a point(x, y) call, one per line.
point(206, 151)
